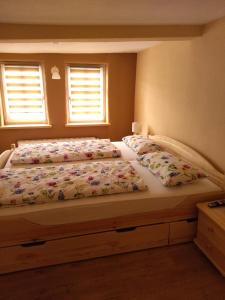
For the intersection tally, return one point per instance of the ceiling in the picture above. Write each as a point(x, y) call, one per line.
point(100, 12)
point(76, 47)
point(111, 12)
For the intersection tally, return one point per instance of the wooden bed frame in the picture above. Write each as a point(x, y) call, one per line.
point(25, 244)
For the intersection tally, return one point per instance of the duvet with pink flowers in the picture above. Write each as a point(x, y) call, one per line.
point(47, 184)
point(64, 152)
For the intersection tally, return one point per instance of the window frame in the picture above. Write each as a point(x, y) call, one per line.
point(5, 123)
point(105, 122)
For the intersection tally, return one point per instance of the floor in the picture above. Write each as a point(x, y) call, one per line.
point(176, 272)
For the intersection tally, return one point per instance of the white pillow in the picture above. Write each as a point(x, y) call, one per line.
point(141, 144)
point(170, 169)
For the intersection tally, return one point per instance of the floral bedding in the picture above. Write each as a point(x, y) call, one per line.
point(171, 170)
point(27, 186)
point(64, 151)
point(141, 144)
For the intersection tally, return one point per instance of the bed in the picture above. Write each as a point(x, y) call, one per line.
point(36, 236)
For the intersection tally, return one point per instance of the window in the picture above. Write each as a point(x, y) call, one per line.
point(86, 103)
point(23, 98)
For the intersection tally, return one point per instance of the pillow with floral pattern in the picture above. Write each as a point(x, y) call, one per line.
point(141, 144)
point(171, 170)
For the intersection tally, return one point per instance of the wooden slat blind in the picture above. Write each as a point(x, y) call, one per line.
point(24, 100)
point(86, 94)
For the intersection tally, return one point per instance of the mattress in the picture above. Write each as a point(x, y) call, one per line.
point(126, 154)
point(156, 198)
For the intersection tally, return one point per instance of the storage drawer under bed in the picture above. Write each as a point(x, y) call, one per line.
point(182, 231)
point(43, 253)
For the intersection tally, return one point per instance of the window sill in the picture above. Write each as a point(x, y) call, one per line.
point(23, 126)
point(87, 124)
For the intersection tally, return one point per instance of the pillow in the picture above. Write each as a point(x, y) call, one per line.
point(141, 144)
point(171, 170)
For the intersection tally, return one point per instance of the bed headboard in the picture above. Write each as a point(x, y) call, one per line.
point(4, 156)
point(189, 154)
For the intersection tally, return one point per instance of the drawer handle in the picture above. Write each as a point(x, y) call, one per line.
point(190, 220)
point(126, 229)
point(33, 244)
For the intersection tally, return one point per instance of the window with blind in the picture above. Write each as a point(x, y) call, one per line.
point(86, 94)
point(23, 96)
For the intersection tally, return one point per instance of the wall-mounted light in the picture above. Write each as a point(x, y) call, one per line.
point(135, 127)
point(55, 73)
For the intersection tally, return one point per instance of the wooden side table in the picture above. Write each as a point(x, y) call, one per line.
point(211, 234)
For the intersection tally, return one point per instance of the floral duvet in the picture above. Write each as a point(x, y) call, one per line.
point(64, 151)
point(25, 186)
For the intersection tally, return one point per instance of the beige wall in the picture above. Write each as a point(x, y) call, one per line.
point(121, 83)
point(180, 91)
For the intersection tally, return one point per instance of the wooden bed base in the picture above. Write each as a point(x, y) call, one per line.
point(25, 244)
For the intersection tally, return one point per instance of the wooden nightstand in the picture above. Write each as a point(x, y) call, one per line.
point(211, 234)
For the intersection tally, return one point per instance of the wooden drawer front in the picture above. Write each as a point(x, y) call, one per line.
point(211, 231)
point(183, 231)
point(82, 247)
point(213, 253)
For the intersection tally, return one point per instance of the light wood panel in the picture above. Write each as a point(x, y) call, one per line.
point(21, 228)
point(4, 156)
point(182, 231)
point(216, 215)
point(42, 253)
point(211, 234)
point(215, 234)
point(28, 244)
point(213, 253)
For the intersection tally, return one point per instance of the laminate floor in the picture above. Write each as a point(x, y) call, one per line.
point(168, 273)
